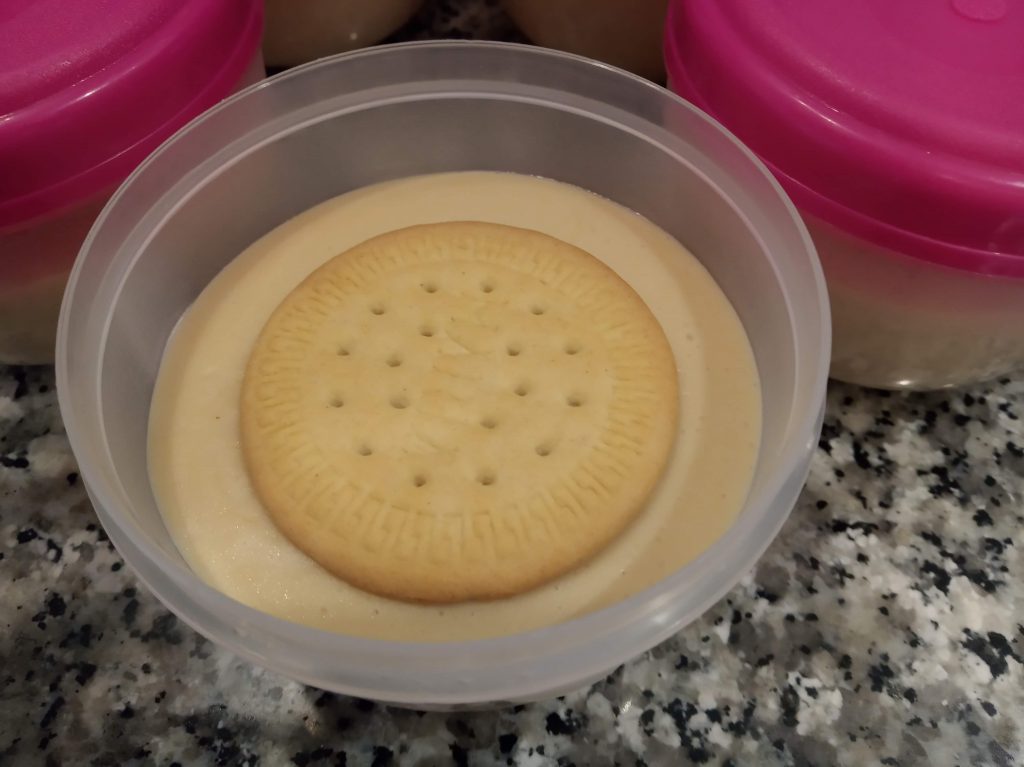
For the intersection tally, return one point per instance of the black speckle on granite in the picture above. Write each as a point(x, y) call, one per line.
point(790, 704)
point(14, 461)
point(19, 375)
point(460, 756)
point(564, 724)
point(84, 673)
point(55, 606)
point(993, 649)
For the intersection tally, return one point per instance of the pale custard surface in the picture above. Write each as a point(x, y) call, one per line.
point(225, 535)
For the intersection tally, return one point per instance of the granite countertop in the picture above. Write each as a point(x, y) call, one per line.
point(883, 626)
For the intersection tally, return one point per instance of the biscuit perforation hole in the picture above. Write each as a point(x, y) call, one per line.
point(538, 309)
point(486, 477)
point(487, 286)
point(336, 401)
point(419, 480)
point(572, 347)
point(522, 389)
point(427, 331)
point(377, 308)
point(364, 449)
point(344, 351)
point(513, 350)
point(489, 422)
point(399, 402)
point(544, 449)
point(429, 287)
point(574, 400)
point(394, 361)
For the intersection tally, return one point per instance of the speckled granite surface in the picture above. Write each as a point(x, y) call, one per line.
point(884, 626)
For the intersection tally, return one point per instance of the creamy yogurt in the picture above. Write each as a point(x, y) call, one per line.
point(216, 519)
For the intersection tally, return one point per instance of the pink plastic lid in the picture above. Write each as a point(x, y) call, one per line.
point(901, 122)
point(88, 88)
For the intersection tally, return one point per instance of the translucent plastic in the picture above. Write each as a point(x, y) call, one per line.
point(89, 88)
point(625, 33)
point(890, 126)
point(295, 33)
point(905, 323)
point(384, 113)
point(887, 120)
point(35, 261)
point(36, 258)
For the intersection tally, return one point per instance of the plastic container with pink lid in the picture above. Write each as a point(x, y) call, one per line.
point(898, 131)
point(87, 91)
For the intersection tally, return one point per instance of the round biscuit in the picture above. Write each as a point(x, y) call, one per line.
point(458, 411)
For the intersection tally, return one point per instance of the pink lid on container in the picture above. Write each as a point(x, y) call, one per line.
point(88, 88)
point(900, 122)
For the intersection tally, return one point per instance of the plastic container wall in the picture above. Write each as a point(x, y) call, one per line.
point(903, 323)
point(71, 133)
point(893, 128)
point(35, 261)
point(624, 33)
point(295, 33)
point(385, 113)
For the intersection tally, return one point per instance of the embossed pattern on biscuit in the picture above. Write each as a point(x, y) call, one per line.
point(457, 411)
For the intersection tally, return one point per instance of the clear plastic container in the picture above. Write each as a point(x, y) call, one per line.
point(896, 129)
point(384, 113)
point(900, 322)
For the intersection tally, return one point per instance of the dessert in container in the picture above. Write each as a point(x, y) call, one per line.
point(896, 128)
point(339, 124)
point(87, 90)
point(625, 33)
point(299, 32)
